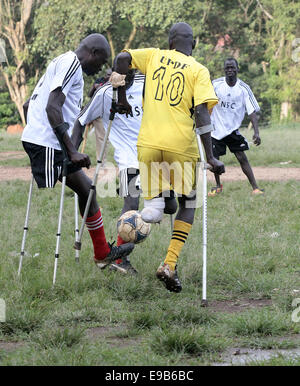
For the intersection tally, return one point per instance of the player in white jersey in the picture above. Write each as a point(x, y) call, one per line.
point(235, 98)
point(50, 114)
point(123, 136)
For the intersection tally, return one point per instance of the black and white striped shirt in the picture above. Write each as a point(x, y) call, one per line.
point(64, 71)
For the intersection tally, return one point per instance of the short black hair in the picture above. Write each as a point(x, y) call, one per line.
point(229, 59)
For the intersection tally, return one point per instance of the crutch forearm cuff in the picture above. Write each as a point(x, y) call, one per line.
point(204, 129)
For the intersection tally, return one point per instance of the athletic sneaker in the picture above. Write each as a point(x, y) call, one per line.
point(123, 267)
point(258, 191)
point(114, 254)
point(169, 277)
point(215, 190)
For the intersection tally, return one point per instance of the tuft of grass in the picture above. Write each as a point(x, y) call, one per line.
point(260, 323)
point(23, 322)
point(185, 341)
point(55, 337)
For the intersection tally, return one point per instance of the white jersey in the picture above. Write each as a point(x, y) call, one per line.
point(227, 116)
point(124, 131)
point(64, 71)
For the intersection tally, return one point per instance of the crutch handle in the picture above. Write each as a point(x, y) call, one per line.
point(208, 166)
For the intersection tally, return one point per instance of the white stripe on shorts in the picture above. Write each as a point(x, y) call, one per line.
point(49, 167)
point(123, 178)
point(46, 168)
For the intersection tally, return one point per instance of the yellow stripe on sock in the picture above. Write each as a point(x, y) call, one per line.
point(180, 233)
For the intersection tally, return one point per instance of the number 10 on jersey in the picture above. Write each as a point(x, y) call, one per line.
point(174, 89)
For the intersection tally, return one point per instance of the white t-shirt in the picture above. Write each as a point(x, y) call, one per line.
point(227, 116)
point(124, 131)
point(64, 71)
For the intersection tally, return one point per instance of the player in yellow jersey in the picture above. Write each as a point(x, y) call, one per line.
point(176, 85)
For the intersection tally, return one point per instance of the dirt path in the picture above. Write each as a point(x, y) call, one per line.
point(233, 173)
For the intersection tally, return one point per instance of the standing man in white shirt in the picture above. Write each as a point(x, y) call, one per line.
point(123, 137)
point(50, 114)
point(235, 98)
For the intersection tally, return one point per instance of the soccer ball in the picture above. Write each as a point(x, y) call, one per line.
point(131, 227)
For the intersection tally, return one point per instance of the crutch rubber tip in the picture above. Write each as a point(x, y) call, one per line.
point(204, 303)
point(77, 245)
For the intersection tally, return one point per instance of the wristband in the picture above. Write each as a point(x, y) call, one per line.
point(204, 129)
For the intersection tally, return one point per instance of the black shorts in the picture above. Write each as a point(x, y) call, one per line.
point(235, 142)
point(46, 164)
point(130, 184)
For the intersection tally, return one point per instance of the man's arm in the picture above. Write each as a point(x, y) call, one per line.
point(202, 119)
point(254, 120)
point(54, 112)
point(25, 108)
point(122, 64)
point(77, 134)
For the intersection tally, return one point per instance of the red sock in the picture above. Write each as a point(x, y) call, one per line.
point(95, 227)
point(120, 241)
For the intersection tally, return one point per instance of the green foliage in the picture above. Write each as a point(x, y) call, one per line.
point(8, 111)
point(259, 35)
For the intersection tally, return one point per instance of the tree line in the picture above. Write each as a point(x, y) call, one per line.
point(263, 35)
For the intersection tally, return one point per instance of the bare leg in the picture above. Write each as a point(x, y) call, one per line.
point(217, 176)
point(185, 214)
point(243, 160)
point(81, 184)
point(130, 203)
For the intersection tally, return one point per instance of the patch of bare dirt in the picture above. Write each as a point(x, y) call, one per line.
point(95, 332)
point(12, 155)
point(9, 173)
point(109, 333)
point(234, 173)
point(238, 305)
point(10, 346)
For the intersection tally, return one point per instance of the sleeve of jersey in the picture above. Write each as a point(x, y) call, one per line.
point(140, 58)
point(250, 102)
point(203, 90)
point(93, 110)
point(65, 73)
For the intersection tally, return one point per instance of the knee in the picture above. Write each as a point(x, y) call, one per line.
point(131, 203)
point(241, 157)
point(171, 206)
point(153, 210)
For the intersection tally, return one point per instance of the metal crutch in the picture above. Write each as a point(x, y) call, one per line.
point(205, 166)
point(76, 226)
point(25, 226)
point(61, 206)
point(99, 164)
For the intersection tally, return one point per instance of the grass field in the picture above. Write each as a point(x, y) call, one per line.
point(95, 317)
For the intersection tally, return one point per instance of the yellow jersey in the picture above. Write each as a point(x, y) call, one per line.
point(174, 84)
